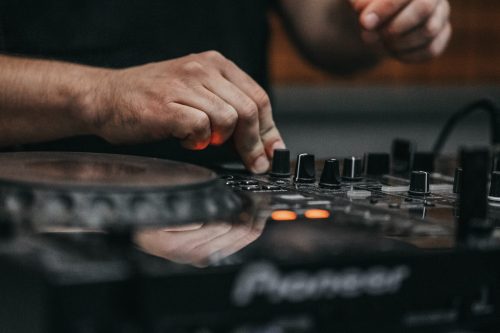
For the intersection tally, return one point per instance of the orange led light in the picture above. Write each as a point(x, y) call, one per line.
point(317, 214)
point(284, 215)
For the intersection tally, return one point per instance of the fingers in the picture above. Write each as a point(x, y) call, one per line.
point(410, 30)
point(424, 34)
point(269, 134)
point(432, 50)
point(192, 126)
point(375, 13)
point(419, 13)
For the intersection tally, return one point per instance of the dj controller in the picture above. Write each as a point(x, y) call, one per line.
point(399, 242)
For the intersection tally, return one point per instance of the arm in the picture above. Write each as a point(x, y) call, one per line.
point(346, 35)
point(328, 34)
point(200, 99)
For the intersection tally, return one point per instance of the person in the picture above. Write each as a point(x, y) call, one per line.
point(88, 73)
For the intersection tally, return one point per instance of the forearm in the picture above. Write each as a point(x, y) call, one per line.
point(328, 34)
point(43, 100)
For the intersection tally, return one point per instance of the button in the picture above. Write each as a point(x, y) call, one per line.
point(377, 164)
point(231, 182)
point(250, 187)
point(270, 187)
point(419, 183)
point(284, 215)
point(249, 182)
point(358, 194)
point(315, 214)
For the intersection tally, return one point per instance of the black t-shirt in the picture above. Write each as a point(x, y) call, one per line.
point(119, 34)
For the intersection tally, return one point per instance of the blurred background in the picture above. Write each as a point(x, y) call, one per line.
point(332, 116)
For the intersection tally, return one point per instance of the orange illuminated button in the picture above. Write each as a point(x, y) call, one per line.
point(284, 215)
point(317, 214)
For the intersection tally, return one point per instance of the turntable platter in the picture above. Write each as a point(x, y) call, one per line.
point(98, 170)
point(53, 189)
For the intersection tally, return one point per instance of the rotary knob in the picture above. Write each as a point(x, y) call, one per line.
point(330, 177)
point(377, 164)
point(352, 169)
point(495, 186)
point(457, 181)
point(281, 163)
point(419, 183)
point(305, 170)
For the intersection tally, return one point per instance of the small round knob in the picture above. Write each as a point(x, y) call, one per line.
point(305, 170)
point(457, 181)
point(495, 186)
point(377, 164)
point(330, 177)
point(281, 163)
point(419, 183)
point(352, 169)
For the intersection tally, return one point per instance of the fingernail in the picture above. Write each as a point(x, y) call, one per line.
point(370, 21)
point(261, 164)
point(279, 145)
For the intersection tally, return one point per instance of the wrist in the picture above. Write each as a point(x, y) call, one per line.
point(93, 100)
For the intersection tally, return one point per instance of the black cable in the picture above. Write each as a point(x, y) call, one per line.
point(484, 104)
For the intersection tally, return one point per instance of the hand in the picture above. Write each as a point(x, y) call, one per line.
point(200, 244)
point(200, 99)
point(410, 30)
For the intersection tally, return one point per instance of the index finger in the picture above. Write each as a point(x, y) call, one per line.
point(375, 13)
point(269, 133)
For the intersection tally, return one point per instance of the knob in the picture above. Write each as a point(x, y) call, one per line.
point(352, 169)
point(281, 163)
point(330, 177)
point(419, 183)
point(457, 181)
point(402, 155)
point(473, 204)
point(305, 170)
point(423, 161)
point(377, 164)
point(495, 186)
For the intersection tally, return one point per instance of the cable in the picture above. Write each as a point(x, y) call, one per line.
point(484, 104)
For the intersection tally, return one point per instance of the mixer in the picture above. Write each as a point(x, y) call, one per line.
point(398, 242)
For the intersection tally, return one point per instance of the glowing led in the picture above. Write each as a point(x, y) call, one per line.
point(317, 214)
point(284, 215)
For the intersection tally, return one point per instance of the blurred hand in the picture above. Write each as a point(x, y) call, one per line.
point(200, 99)
point(202, 244)
point(409, 30)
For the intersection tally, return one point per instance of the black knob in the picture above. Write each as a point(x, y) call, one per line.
point(402, 155)
point(423, 161)
point(377, 164)
point(281, 163)
point(352, 169)
point(419, 183)
point(305, 170)
point(457, 181)
point(473, 204)
point(495, 186)
point(330, 177)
